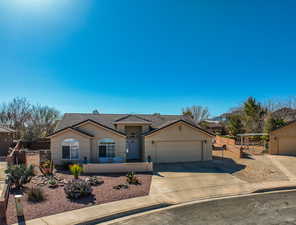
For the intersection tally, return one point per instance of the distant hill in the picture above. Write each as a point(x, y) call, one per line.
point(285, 113)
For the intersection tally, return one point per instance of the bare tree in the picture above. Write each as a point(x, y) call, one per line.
point(42, 123)
point(29, 121)
point(196, 112)
point(16, 114)
point(273, 105)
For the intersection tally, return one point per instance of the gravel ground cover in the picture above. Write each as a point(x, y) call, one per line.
point(56, 201)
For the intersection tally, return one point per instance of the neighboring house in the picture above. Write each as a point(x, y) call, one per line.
point(213, 126)
point(6, 139)
point(126, 138)
point(283, 140)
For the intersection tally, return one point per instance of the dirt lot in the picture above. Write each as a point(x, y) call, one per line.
point(253, 169)
point(56, 201)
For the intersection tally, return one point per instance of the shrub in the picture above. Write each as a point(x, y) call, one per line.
point(76, 189)
point(75, 170)
point(35, 194)
point(94, 181)
point(18, 175)
point(132, 179)
point(52, 183)
point(46, 168)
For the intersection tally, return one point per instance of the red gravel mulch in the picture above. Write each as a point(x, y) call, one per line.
point(56, 201)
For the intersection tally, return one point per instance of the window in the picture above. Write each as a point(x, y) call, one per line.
point(106, 148)
point(70, 149)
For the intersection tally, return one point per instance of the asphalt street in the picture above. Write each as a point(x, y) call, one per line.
point(265, 209)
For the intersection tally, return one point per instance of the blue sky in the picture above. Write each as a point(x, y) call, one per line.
point(146, 56)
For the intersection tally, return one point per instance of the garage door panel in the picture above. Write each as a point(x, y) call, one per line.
point(287, 146)
point(171, 151)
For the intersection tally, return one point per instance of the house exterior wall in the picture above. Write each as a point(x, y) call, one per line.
point(56, 146)
point(192, 140)
point(283, 141)
point(101, 133)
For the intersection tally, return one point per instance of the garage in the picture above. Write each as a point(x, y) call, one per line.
point(283, 140)
point(287, 146)
point(178, 142)
point(181, 151)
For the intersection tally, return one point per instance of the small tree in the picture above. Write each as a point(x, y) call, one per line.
point(95, 111)
point(271, 123)
point(253, 115)
point(198, 113)
point(235, 125)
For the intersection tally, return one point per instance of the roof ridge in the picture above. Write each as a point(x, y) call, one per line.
point(136, 114)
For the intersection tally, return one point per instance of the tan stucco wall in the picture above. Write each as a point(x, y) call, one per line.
point(56, 145)
point(100, 133)
point(282, 141)
point(192, 139)
point(87, 145)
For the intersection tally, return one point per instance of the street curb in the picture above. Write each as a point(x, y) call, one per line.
point(123, 218)
point(266, 190)
point(126, 214)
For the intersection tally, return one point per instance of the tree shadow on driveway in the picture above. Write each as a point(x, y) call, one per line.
point(217, 165)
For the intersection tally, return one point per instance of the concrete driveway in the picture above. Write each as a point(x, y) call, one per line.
point(181, 182)
point(286, 164)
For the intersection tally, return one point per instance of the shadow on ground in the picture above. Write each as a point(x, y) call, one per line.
point(217, 165)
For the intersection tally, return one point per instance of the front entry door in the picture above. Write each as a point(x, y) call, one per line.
point(133, 148)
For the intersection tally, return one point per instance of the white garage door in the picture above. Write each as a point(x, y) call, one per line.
point(287, 146)
point(185, 151)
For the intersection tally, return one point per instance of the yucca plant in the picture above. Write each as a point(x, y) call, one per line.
point(46, 168)
point(132, 179)
point(76, 170)
point(18, 175)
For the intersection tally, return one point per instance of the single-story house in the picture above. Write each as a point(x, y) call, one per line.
point(6, 139)
point(102, 138)
point(283, 140)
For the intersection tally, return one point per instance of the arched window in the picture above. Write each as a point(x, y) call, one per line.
point(70, 149)
point(106, 148)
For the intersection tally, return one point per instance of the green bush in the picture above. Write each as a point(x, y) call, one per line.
point(52, 183)
point(18, 175)
point(35, 194)
point(76, 189)
point(132, 179)
point(76, 170)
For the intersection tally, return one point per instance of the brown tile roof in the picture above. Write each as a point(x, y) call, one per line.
point(72, 128)
point(169, 123)
point(132, 119)
point(157, 121)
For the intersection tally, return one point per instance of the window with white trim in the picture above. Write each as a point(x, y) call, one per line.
point(106, 148)
point(70, 149)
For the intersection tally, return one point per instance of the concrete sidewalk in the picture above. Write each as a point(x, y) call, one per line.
point(112, 210)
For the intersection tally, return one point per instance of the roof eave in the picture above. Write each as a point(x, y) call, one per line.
point(195, 127)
